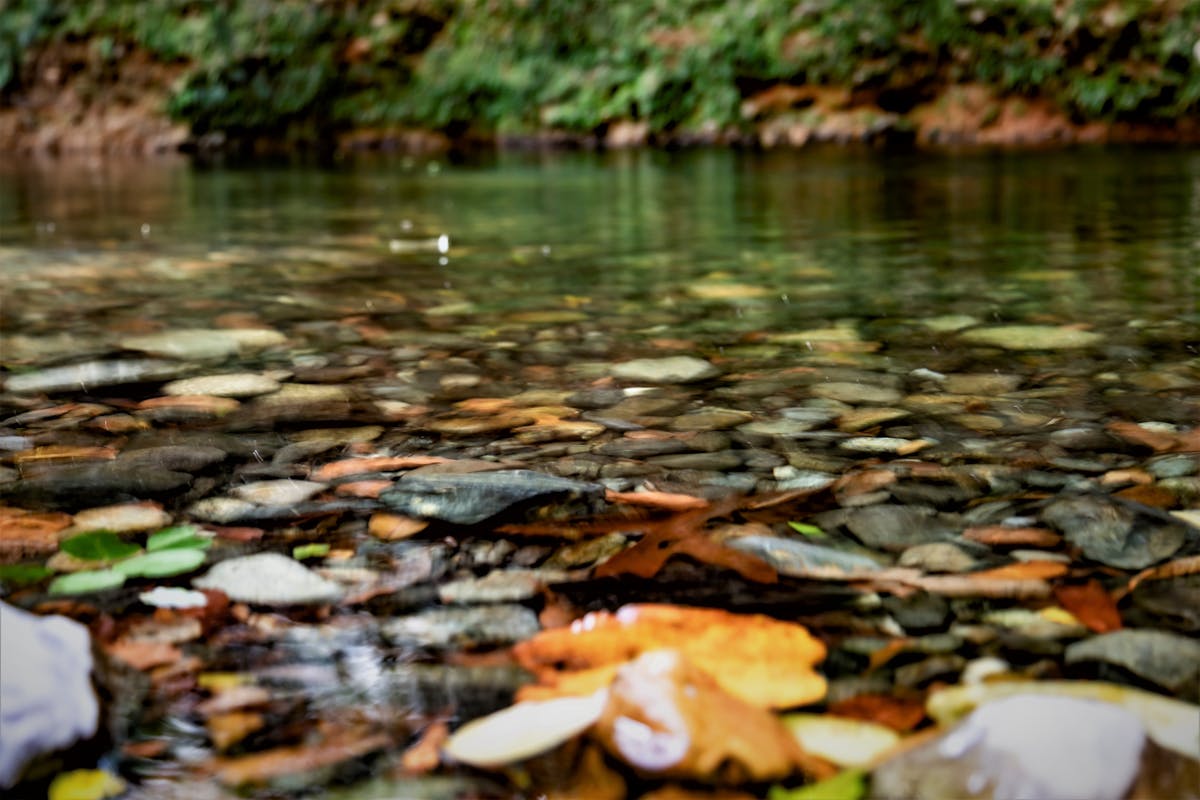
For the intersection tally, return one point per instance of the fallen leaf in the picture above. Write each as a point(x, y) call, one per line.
point(758, 659)
point(896, 713)
point(666, 500)
point(524, 730)
point(1004, 536)
point(1177, 568)
point(683, 534)
point(394, 526)
point(1158, 441)
point(843, 741)
point(356, 466)
point(425, 754)
point(1022, 570)
point(287, 761)
point(1090, 604)
point(227, 729)
point(143, 655)
point(848, 785)
point(24, 534)
point(85, 784)
point(667, 718)
point(1151, 495)
point(368, 489)
point(592, 779)
point(64, 454)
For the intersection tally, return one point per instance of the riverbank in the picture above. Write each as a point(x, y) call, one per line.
point(117, 76)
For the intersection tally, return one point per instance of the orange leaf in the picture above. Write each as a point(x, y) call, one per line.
point(1004, 536)
point(369, 489)
point(667, 500)
point(1151, 495)
point(1022, 570)
point(762, 660)
point(1090, 604)
point(262, 767)
point(226, 730)
point(143, 655)
point(897, 714)
point(425, 754)
point(1188, 565)
point(665, 717)
point(1158, 441)
point(356, 466)
point(394, 526)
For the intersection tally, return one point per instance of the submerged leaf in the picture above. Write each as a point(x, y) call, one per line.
point(178, 536)
point(85, 784)
point(22, 574)
point(847, 785)
point(807, 530)
point(844, 741)
point(763, 661)
point(98, 546)
point(162, 564)
point(87, 581)
point(311, 550)
point(524, 730)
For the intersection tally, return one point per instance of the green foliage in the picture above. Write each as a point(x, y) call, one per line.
point(311, 550)
point(23, 574)
point(84, 582)
point(161, 564)
point(98, 546)
point(176, 537)
point(306, 68)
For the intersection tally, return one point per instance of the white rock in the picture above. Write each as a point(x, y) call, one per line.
point(46, 697)
point(120, 518)
point(674, 369)
point(232, 384)
point(269, 579)
point(284, 492)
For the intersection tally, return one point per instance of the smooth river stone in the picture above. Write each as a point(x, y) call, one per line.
point(856, 393)
point(1032, 337)
point(91, 374)
point(674, 369)
point(232, 384)
point(463, 628)
point(469, 498)
point(195, 344)
point(1167, 659)
point(284, 492)
point(122, 518)
point(269, 579)
point(1113, 534)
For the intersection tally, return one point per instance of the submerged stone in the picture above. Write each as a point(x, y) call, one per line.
point(1167, 659)
point(794, 557)
point(470, 498)
point(1033, 337)
point(91, 374)
point(491, 626)
point(1114, 534)
point(269, 579)
point(674, 369)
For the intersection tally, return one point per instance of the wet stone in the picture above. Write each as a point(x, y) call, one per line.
point(1166, 659)
point(783, 428)
point(937, 557)
point(197, 344)
point(796, 557)
point(462, 628)
point(277, 493)
point(711, 419)
point(639, 448)
point(223, 510)
point(1032, 337)
point(918, 613)
point(122, 518)
point(1113, 534)
point(703, 461)
point(471, 498)
point(499, 586)
point(1179, 466)
point(233, 384)
point(895, 528)
point(268, 579)
point(92, 374)
point(988, 383)
point(856, 393)
point(671, 370)
point(80, 485)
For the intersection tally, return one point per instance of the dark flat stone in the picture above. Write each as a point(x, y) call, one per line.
point(471, 498)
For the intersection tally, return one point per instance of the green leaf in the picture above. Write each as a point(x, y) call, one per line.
point(98, 546)
point(303, 551)
point(177, 537)
point(22, 574)
point(807, 530)
point(96, 580)
point(173, 561)
point(847, 785)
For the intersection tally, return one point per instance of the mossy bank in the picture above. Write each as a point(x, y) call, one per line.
point(144, 75)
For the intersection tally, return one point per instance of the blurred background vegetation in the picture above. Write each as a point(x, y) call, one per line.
point(307, 69)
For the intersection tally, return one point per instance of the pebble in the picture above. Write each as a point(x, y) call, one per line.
point(269, 579)
point(222, 510)
point(463, 628)
point(499, 586)
point(232, 384)
point(470, 498)
point(1167, 659)
point(988, 383)
point(799, 558)
point(711, 461)
point(121, 518)
point(938, 557)
point(278, 493)
point(1113, 534)
point(1032, 337)
point(92, 374)
point(856, 393)
point(895, 528)
point(199, 344)
point(711, 419)
point(670, 370)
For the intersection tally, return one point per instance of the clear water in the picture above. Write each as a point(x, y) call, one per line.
point(1101, 238)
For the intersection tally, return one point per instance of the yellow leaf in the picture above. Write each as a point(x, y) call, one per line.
point(85, 784)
